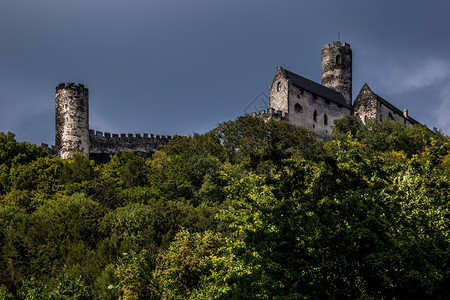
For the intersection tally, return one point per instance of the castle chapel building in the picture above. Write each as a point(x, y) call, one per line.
point(293, 99)
point(303, 102)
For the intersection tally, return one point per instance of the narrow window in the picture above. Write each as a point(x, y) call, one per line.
point(391, 116)
point(315, 116)
point(279, 86)
point(298, 108)
point(314, 96)
point(339, 60)
point(381, 118)
point(301, 91)
point(327, 101)
point(325, 119)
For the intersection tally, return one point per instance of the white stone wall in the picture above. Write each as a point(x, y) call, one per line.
point(309, 104)
point(278, 99)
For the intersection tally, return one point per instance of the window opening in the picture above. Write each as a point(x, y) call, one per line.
point(327, 101)
point(338, 60)
point(315, 116)
point(279, 86)
point(298, 108)
point(314, 96)
point(325, 119)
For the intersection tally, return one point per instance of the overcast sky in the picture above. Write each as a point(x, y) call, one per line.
point(178, 67)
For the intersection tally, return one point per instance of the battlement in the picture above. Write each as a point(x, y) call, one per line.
point(103, 144)
point(337, 44)
point(270, 114)
point(129, 136)
point(51, 149)
point(71, 86)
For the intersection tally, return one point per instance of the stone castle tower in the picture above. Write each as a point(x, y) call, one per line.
point(73, 135)
point(337, 69)
point(71, 119)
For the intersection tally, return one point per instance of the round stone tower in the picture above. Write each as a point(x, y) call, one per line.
point(72, 119)
point(337, 69)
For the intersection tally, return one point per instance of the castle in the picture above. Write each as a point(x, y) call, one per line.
point(72, 133)
point(303, 102)
point(293, 99)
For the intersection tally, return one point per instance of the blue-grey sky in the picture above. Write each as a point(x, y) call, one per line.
point(178, 67)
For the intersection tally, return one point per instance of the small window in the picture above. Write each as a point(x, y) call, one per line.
point(339, 60)
point(298, 108)
point(325, 119)
point(314, 96)
point(315, 116)
point(279, 86)
point(327, 101)
point(391, 116)
point(340, 106)
point(381, 118)
point(301, 91)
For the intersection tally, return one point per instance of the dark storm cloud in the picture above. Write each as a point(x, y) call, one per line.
point(182, 66)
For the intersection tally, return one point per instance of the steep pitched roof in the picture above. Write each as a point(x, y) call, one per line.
point(390, 106)
point(316, 88)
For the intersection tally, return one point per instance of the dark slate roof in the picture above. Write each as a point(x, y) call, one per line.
point(394, 109)
point(316, 88)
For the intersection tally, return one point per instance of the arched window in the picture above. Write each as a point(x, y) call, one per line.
point(338, 60)
point(298, 108)
point(279, 86)
point(315, 116)
point(325, 119)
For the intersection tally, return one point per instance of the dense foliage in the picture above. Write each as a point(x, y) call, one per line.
point(249, 210)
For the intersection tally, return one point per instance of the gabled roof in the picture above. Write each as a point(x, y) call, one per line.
point(316, 88)
point(390, 106)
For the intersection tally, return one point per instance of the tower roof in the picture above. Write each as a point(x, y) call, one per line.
point(316, 88)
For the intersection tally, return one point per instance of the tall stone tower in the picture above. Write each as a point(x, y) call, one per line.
point(337, 69)
point(72, 119)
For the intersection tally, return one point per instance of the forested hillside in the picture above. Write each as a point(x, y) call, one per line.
point(249, 210)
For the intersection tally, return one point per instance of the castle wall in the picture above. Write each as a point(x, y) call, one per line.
point(279, 91)
point(369, 106)
point(102, 145)
point(384, 113)
point(365, 106)
point(314, 112)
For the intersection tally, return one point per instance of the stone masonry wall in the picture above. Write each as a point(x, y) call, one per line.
point(279, 92)
point(303, 105)
point(105, 144)
point(365, 106)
